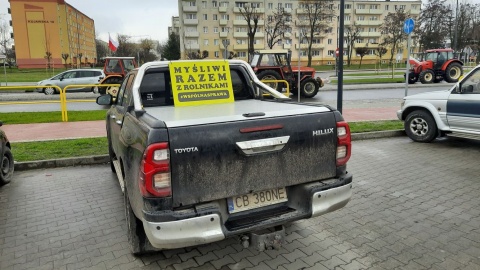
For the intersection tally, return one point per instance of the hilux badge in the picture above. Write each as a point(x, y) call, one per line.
point(322, 132)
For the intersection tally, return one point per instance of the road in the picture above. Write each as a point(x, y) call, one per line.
point(365, 96)
point(414, 206)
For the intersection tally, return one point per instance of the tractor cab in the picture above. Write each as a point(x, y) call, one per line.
point(119, 65)
point(115, 69)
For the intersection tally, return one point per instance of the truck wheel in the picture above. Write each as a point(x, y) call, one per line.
point(412, 78)
point(309, 88)
point(427, 76)
point(7, 167)
point(453, 72)
point(271, 75)
point(420, 126)
point(137, 239)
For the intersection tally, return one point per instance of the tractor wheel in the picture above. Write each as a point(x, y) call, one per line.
point(438, 80)
point(271, 75)
point(453, 72)
point(112, 90)
point(309, 88)
point(427, 76)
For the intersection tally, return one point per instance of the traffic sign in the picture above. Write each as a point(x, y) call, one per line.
point(337, 52)
point(408, 25)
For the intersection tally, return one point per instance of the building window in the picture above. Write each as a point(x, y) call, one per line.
point(348, 6)
point(329, 41)
point(347, 17)
point(242, 54)
point(215, 29)
point(191, 16)
point(216, 54)
point(360, 18)
point(205, 29)
point(215, 42)
point(205, 17)
point(270, 5)
point(331, 53)
point(204, 4)
point(192, 4)
point(386, 7)
point(215, 17)
point(225, 17)
point(225, 29)
point(360, 6)
point(205, 42)
point(214, 4)
point(224, 4)
point(373, 6)
point(288, 5)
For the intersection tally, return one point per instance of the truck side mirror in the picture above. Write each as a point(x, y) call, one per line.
point(104, 100)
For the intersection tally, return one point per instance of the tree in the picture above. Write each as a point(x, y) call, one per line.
point(171, 50)
point(392, 30)
point(10, 56)
point(352, 33)
point(232, 54)
point(5, 38)
point(252, 16)
point(433, 24)
point(380, 52)
point(276, 26)
point(146, 48)
point(362, 51)
point(65, 57)
point(197, 54)
point(80, 55)
point(316, 18)
point(102, 49)
point(125, 46)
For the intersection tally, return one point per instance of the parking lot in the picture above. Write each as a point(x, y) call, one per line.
point(415, 206)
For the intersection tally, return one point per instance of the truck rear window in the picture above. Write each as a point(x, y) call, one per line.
point(156, 90)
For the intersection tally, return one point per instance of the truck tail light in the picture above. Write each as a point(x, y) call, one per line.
point(344, 145)
point(155, 176)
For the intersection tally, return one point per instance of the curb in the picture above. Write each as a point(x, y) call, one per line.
point(104, 159)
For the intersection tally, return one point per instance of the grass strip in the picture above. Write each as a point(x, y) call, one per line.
point(56, 149)
point(30, 151)
point(48, 117)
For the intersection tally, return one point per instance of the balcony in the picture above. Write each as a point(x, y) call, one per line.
point(222, 9)
point(301, 11)
point(223, 22)
point(287, 10)
point(190, 9)
point(369, 34)
point(239, 10)
point(240, 22)
point(287, 34)
point(240, 35)
point(259, 34)
point(414, 11)
point(259, 46)
point(192, 34)
point(240, 47)
point(190, 22)
point(223, 34)
point(314, 46)
point(192, 46)
point(287, 46)
point(369, 11)
point(368, 23)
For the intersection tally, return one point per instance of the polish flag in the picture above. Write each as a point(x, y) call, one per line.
point(112, 44)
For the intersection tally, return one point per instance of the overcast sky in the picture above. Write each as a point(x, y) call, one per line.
point(139, 19)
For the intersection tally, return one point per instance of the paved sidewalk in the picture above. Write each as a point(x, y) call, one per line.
point(90, 129)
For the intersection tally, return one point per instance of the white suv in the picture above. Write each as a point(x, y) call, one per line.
point(453, 112)
point(72, 77)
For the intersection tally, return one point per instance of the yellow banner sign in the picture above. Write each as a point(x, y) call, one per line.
point(201, 82)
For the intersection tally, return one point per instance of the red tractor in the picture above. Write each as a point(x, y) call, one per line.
point(115, 69)
point(275, 65)
point(436, 65)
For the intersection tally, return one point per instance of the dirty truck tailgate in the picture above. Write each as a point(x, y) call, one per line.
point(232, 149)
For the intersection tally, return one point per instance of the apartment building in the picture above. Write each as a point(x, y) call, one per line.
point(218, 26)
point(55, 27)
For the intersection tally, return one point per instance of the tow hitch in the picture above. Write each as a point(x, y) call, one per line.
point(266, 239)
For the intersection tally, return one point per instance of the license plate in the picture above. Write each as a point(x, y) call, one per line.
point(256, 200)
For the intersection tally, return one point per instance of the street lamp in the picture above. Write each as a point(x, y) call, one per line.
point(301, 35)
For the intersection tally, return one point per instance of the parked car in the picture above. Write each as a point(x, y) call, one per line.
point(72, 77)
point(454, 112)
point(6, 161)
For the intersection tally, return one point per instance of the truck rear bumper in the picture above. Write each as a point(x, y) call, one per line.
point(184, 233)
point(211, 228)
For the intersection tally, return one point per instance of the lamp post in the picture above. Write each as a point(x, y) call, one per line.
point(456, 29)
point(300, 36)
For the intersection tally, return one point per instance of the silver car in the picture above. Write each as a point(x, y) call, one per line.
point(72, 77)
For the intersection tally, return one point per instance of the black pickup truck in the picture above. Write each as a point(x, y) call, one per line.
point(197, 174)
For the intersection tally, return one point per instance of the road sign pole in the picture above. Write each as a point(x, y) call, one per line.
point(407, 72)
point(408, 26)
